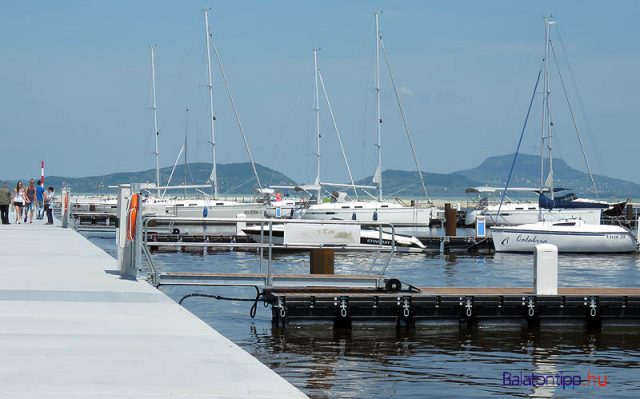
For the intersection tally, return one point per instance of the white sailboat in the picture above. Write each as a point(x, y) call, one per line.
point(341, 207)
point(211, 205)
point(513, 213)
point(571, 235)
point(574, 236)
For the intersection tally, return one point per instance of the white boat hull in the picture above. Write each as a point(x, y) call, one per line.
point(367, 238)
point(588, 239)
point(514, 217)
point(399, 217)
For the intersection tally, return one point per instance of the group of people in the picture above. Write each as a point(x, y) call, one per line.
point(27, 201)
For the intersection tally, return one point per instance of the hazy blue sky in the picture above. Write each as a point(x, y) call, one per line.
point(76, 86)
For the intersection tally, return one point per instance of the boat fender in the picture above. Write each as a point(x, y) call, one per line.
point(205, 212)
point(375, 216)
point(353, 216)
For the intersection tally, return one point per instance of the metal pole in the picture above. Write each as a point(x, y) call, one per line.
point(548, 104)
point(317, 111)
point(213, 178)
point(377, 178)
point(269, 278)
point(154, 108)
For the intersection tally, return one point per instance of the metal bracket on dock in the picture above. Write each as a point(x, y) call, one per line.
point(592, 305)
point(405, 302)
point(282, 309)
point(343, 305)
point(467, 302)
point(530, 304)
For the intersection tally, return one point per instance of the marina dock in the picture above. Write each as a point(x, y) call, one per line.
point(71, 327)
point(467, 306)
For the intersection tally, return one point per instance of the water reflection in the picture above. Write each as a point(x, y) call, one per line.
point(358, 362)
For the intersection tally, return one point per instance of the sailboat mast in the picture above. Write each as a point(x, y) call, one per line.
point(154, 109)
point(186, 135)
point(317, 112)
point(377, 178)
point(213, 178)
point(547, 93)
point(544, 137)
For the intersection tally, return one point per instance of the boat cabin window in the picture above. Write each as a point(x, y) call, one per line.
point(193, 204)
point(532, 208)
point(345, 207)
point(358, 206)
point(219, 203)
point(384, 206)
point(565, 224)
point(329, 213)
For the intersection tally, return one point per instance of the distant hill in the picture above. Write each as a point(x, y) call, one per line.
point(233, 178)
point(494, 172)
point(237, 178)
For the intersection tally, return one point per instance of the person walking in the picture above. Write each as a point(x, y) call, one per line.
point(40, 200)
point(48, 204)
point(18, 201)
point(30, 201)
point(5, 202)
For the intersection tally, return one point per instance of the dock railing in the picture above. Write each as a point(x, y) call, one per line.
point(266, 277)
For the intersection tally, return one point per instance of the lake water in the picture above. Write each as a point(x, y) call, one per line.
point(443, 362)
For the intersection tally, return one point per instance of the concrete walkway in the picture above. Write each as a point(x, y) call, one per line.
point(71, 328)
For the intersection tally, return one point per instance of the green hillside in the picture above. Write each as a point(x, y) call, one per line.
point(233, 178)
point(237, 178)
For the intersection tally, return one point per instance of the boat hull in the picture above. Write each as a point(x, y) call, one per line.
point(399, 217)
point(525, 240)
point(514, 217)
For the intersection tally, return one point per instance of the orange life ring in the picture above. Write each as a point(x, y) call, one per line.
point(133, 214)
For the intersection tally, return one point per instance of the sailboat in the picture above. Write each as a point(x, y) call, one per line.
point(570, 235)
point(511, 212)
point(211, 206)
point(341, 207)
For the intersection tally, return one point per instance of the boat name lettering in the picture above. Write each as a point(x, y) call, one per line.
point(529, 238)
point(614, 236)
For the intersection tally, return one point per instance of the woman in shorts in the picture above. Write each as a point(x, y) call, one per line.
point(18, 201)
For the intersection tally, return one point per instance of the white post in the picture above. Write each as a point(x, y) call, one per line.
point(240, 224)
point(545, 270)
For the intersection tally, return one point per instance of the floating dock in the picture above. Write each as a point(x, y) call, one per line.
point(590, 306)
point(71, 327)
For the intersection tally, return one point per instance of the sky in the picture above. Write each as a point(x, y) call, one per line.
point(76, 83)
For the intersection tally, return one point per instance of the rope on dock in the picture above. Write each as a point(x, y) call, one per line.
point(252, 312)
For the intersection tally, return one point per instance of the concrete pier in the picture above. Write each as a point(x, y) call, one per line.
point(70, 327)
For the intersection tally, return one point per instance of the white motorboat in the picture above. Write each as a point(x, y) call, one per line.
point(368, 238)
point(573, 235)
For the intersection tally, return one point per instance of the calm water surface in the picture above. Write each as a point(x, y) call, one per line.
point(442, 362)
